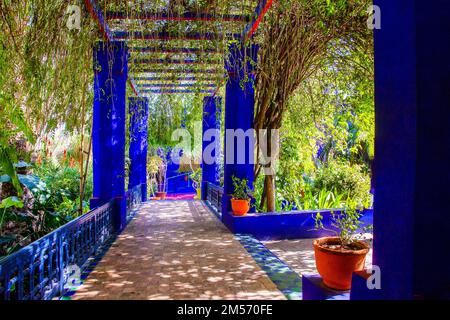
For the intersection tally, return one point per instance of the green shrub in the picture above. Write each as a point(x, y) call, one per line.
point(345, 178)
point(196, 177)
point(241, 189)
point(60, 199)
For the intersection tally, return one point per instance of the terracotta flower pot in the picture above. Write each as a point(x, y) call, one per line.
point(336, 265)
point(240, 207)
point(161, 195)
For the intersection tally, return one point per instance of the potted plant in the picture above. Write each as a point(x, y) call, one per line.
point(339, 256)
point(153, 164)
point(157, 176)
point(240, 201)
point(196, 177)
point(161, 176)
point(162, 181)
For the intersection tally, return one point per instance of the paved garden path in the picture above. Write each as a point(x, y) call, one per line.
point(177, 250)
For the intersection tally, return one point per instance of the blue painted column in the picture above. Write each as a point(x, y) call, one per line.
point(412, 179)
point(239, 115)
point(211, 149)
point(108, 140)
point(138, 109)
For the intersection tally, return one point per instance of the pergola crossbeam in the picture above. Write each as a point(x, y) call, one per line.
point(170, 85)
point(97, 14)
point(261, 10)
point(175, 50)
point(167, 36)
point(187, 16)
point(184, 71)
point(188, 78)
point(161, 91)
point(176, 61)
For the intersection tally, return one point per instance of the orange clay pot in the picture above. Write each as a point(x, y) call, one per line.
point(336, 266)
point(161, 195)
point(240, 207)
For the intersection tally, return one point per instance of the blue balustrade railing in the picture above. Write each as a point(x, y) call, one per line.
point(43, 269)
point(214, 196)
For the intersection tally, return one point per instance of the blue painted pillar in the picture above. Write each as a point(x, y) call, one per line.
point(239, 116)
point(411, 218)
point(108, 140)
point(211, 147)
point(138, 109)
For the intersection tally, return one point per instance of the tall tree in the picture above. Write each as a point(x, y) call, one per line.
point(295, 37)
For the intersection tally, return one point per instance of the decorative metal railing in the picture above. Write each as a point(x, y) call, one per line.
point(41, 270)
point(214, 196)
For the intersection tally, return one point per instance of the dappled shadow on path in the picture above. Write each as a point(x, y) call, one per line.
point(177, 250)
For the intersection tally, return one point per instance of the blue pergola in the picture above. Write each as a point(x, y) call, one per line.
point(412, 133)
point(114, 70)
point(412, 81)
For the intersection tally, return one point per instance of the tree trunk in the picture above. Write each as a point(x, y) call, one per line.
point(269, 178)
point(262, 201)
point(83, 172)
point(269, 186)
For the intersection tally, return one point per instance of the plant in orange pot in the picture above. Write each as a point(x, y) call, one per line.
point(240, 201)
point(338, 257)
point(196, 177)
point(157, 174)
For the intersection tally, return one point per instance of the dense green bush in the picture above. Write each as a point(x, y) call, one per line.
point(60, 198)
point(344, 178)
point(50, 199)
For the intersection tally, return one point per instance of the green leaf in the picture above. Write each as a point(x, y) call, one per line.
point(6, 163)
point(32, 182)
point(11, 202)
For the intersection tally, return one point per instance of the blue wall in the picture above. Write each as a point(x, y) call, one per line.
point(177, 183)
point(412, 81)
point(239, 114)
point(212, 109)
point(284, 225)
point(138, 109)
point(108, 134)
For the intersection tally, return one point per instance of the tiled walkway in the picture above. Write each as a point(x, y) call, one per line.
point(177, 250)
